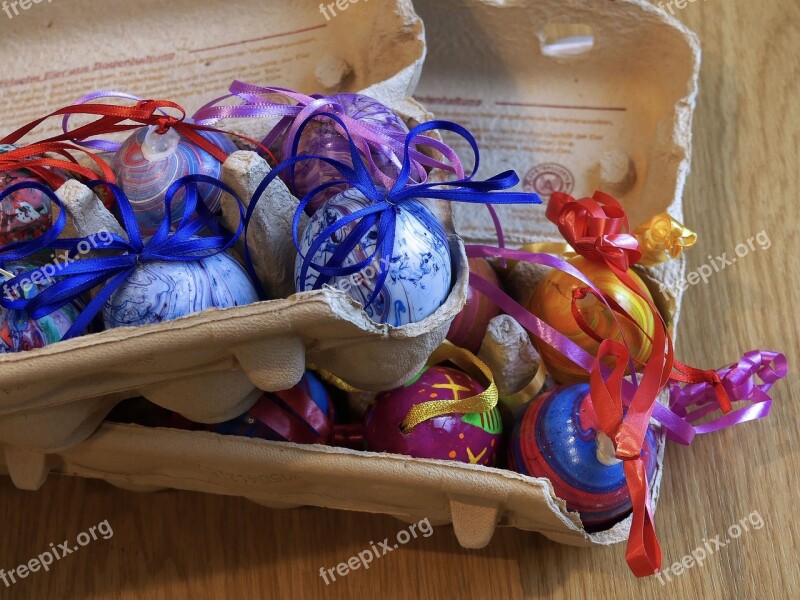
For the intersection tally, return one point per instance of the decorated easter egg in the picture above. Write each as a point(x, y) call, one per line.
point(321, 138)
point(26, 214)
point(557, 437)
point(162, 291)
point(551, 301)
point(470, 324)
point(419, 268)
point(303, 414)
point(470, 438)
point(147, 164)
point(18, 332)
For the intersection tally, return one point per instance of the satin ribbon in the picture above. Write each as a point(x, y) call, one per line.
point(748, 380)
point(637, 398)
point(80, 276)
point(116, 119)
point(530, 391)
point(480, 403)
point(597, 228)
point(662, 238)
point(101, 145)
point(367, 137)
point(384, 205)
point(34, 159)
point(18, 251)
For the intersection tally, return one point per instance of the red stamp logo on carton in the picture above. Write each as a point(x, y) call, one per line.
point(547, 178)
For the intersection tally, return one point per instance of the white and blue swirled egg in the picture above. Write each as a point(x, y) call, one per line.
point(419, 271)
point(163, 291)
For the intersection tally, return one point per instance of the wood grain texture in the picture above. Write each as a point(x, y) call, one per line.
point(744, 181)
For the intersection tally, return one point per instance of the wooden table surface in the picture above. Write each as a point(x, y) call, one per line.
point(744, 181)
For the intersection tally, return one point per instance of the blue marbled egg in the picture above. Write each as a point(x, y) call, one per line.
point(145, 182)
point(162, 291)
point(419, 271)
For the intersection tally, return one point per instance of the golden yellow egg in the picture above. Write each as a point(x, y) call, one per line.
point(551, 301)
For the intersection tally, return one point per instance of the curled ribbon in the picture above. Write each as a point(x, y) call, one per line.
point(116, 119)
point(749, 380)
point(597, 228)
point(81, 276)
point(662, 238)
point(34, 159)
point(483, 402)
point(367, 137)
point(384, 205)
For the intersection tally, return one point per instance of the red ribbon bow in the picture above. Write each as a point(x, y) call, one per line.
point(597, 228)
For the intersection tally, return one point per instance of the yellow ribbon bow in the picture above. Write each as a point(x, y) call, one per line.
point(662, 238)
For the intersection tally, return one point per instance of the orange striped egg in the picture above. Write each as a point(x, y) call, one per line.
point(551, 301)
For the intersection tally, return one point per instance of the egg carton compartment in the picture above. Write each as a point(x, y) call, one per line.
point(474, 498)
point(208, 366)
point(211, 366)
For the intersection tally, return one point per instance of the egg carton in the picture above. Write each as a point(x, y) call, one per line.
point(211, 366)
point(575, 93)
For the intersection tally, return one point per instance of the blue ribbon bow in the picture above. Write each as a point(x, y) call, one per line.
point(385, 204)
point(78, 277)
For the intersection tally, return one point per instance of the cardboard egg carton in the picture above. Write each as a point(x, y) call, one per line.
point(575, 95)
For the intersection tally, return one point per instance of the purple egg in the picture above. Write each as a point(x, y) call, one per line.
point(321, 138)
point(470, 438)
point(556, 437)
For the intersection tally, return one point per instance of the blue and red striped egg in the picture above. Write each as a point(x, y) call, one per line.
point(557, 437)
point(148, 163)
point(302, 414)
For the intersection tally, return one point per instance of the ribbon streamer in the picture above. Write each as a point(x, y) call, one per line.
point(483, 402)
point(109, 272)
point(384, 204)
point(34, 159)
point(748, 380)
point(116, 119)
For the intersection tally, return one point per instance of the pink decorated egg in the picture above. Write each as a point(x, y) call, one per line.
point(470, 438)
point(26, 214)
point(322, 138)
